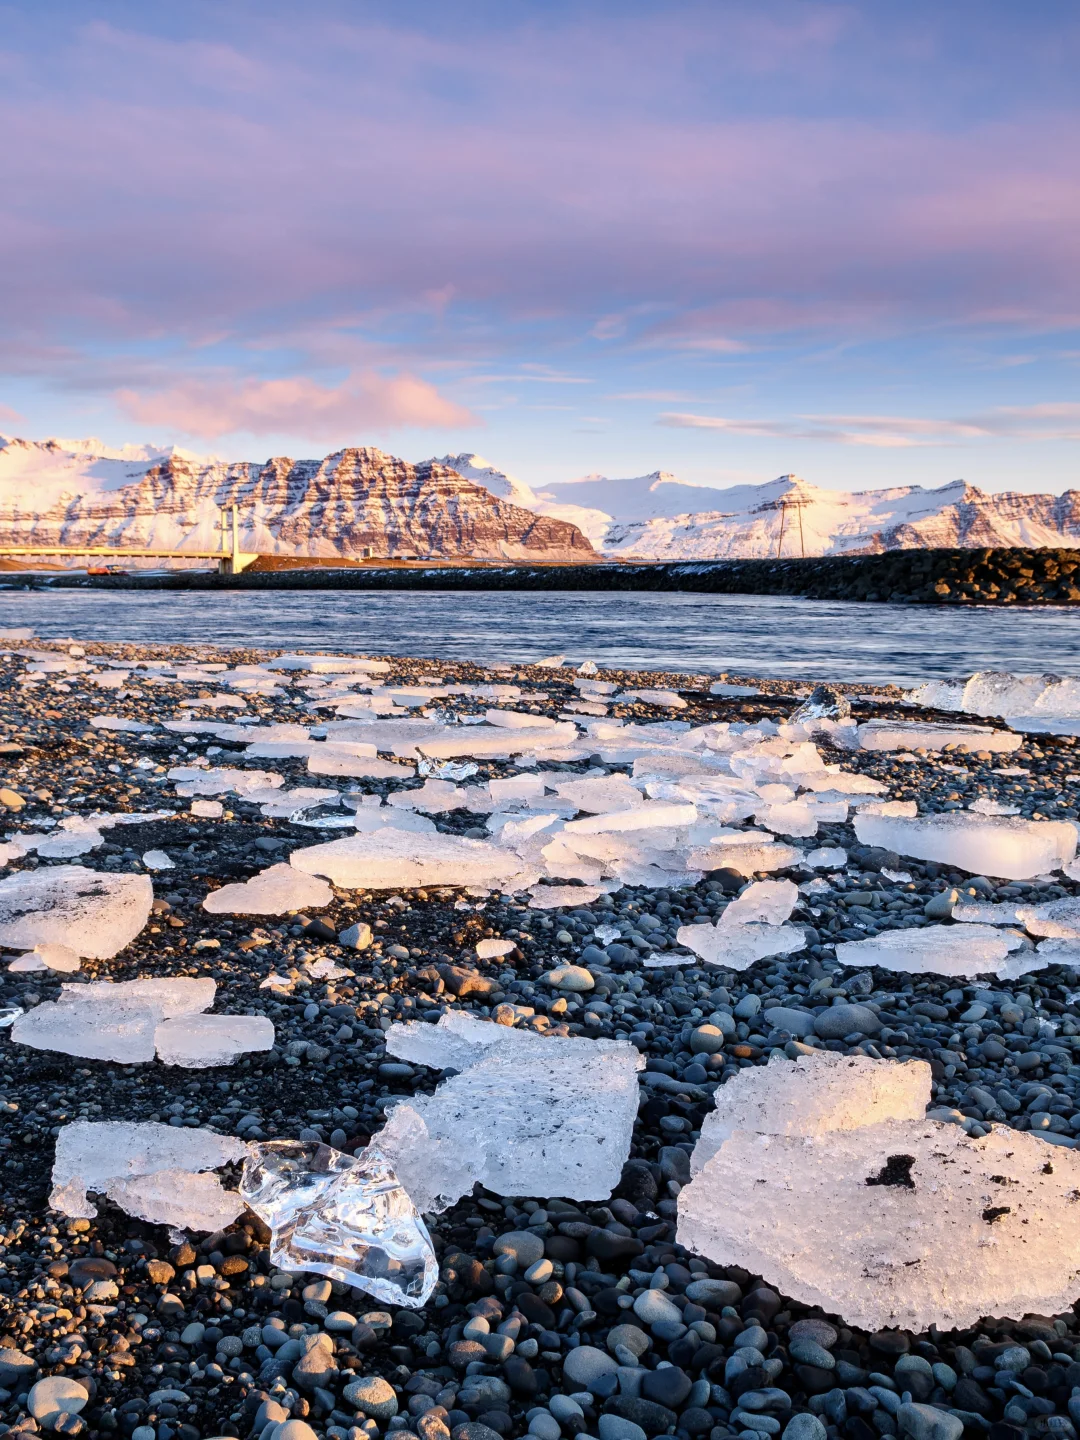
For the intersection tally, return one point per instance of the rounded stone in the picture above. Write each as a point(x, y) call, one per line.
point(713, 1294)
point(655, 1308)
point(525, 1247)
point(795, 1022)
point(15, 1367)
point(296, 1430)
point(574, 978)
point(805, 1427)
point(585, 1365)
point(339, 1320)
point(841, 1020)
point(819, 1331)
point(54, 1396)
point(668, 1386)
point(545, 1426)
point(614, 1427)
point(374, 1396)
point(635, 1340)
point(705, 1040)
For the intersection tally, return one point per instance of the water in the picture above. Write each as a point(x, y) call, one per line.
point(762, 635)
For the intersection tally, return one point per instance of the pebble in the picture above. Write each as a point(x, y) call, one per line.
point(374, 1396)
point(841, 1020)
point(526, 1249)
point(55, 1396)
point(586, 1365)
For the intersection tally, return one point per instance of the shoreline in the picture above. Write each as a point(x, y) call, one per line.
point(201, 1334)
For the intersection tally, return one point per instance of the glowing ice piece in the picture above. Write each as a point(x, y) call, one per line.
point(919, 735)
point(767, 901)
point(736, 947)
point(526, 1115)
point(182, 995)
point(599, 794)
point(1002, 845)
point(94, 914)
point(274, 891)
point(94, 1029)
point(197, 1042)
point(903, 1224)
point(393, 859)
point(747, 859)
point(815, 1094)
point(1053, 920)
point(966, 950)
point(102, 1155)
point(347, 1217)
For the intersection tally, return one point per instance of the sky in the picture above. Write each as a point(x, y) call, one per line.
point(727, 240)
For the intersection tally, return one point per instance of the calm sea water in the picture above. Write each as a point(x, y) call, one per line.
point(772, 636)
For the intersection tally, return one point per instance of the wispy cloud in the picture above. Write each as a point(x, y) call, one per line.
point(211, 407)
point(1048, 421)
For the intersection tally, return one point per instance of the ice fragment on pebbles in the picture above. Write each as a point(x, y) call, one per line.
point(903, 1224)
point(48, 957)
point(815, 1094)
point(827, 857)
point(1053, 920)
point(180, 995)
point(107, 1156)
point(961, 950)
point(735, 947)
point(768, 901)
point(207, 809)
point(559, 897)
point(749, 859)
point(274, 891)
point(525, 1115)
point(94, 914)
point(394, 858)
point(980, 844)
point(196, 1042)
point(920, 735)
point(491, 949)
point(94, 1029)
point(343, 1216)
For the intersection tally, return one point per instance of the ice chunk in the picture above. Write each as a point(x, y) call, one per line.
point(343, 1216)
point(600, 794)
point(100, 1155)
point(157, 860)
point(818, 1093)
point(193, 780)
point(177, 1198)
point(207, 809)
point(518, 720)
point(560, 897)
point(921, 735)
point(747, 859)
point(95, 1029)
point(736, 947)
point(94, 914)
point(796, 819)
point(825, 702)
point(733, 692)
point(768, 901)
point(525, 1116)
point(981, 844)
point(479, 741)
point(902, 1224)
point(668, 699)
point(196, 1042)
point(392, 858)
point(966, 950)
point(827, 857)
point(176, 996)
point(1054, 919)
point(57, 957)
point(274, 891)
point(646, 816)
point(983, 912)
point(328, 664)
point(341, 758)
point(119, 723)
point(435, 797)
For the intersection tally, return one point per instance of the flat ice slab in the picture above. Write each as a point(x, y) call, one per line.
point(94, 914)
point(903, 1224)
point(815, 1094)
point(196, 1042)
point(274, 891)
point(920, 735)
point(117, 1158)
point(1002, 845)
point(525, 1115)
point(735, 947)
point(961, 950)
point(401, 859)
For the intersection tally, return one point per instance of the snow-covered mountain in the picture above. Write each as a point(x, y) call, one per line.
point(657, 517)
point(502, 485)
point(68, 493)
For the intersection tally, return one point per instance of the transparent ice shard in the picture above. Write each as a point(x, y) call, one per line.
point(196, 1042)
point(343, 1216)
point(962, 950)
point(391, 858)
point(735, 947)
point(274, 891)
point(767, 901)
point(94, 1029)
point(1054, 920)
point(527, 1115)
point(815, 1094)
point(94, 914)
point(920, 735)
point(993, 845)
point(747, 859)
point(903, 1224)
point(177, 1198)
point(182, 995)
point(97, 1155)
point(9, 1014)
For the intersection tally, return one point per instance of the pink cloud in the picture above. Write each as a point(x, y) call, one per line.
point(210, 408)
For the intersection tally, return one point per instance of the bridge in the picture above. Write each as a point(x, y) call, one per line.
point(230, 558)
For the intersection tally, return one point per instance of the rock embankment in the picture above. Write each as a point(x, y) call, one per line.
point(905, 577)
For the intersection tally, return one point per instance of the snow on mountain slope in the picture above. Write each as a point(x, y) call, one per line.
point(353, 501)
point(502, 485)
point(657, 517)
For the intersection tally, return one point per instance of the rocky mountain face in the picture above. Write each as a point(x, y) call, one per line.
point(656, 517)
point(350, 503)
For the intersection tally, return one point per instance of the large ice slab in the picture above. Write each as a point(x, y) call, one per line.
point(526, 1115)
point(903, 1224)
point(923, 735)
point(999, 845)
point(392, 859)
point(181, 995)
point(735, 947)
point(343, 1216)
point(118, 1158)
point(1054, 919)
point(94, 914)
point(274, 891)
point(997, 692)
point(94, 1029)
point(196, 1042)
point(813, 1095)
point(961, 950)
